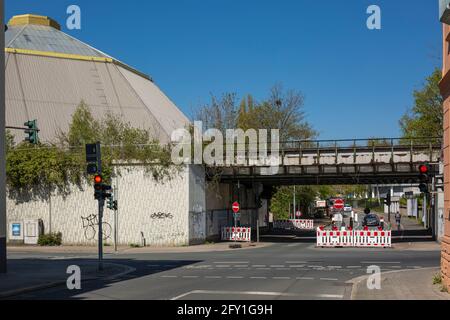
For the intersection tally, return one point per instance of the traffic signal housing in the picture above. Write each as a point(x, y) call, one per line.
point(424, 171)
point(387, 200)
point(32, 132)
point(93, 158)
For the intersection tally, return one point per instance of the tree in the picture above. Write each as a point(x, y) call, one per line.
point(425, 119)
point(36, 171)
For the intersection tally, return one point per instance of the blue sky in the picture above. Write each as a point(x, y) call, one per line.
point(357, 82)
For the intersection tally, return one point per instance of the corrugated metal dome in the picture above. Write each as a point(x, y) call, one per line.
point(48, 73)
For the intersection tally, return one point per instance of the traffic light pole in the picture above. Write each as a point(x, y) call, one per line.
point(101, 205)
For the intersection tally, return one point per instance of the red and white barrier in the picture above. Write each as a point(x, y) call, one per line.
point(237, 234)
point(329, 238)
point(294, 224)
point(373, 239)
point(358, 239)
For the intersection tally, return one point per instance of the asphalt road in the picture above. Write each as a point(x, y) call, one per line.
point(282, 271)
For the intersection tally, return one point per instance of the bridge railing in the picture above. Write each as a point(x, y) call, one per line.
point(373, 143)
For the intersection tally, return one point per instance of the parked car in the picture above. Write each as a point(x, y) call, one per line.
point(371, 220)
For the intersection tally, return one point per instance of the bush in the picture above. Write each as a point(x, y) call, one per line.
point(50, 240)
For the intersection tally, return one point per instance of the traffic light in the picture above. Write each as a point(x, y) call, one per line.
point(32, 132)
point(387, 200)
point(98, 187)
point(93, 158)
point(112, 204)
point(424, 178)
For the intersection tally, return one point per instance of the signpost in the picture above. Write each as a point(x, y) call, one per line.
point(2, 152)
point(339, 204)
point(236, 209)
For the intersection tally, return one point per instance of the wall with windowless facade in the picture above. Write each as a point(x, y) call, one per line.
point(163, 213)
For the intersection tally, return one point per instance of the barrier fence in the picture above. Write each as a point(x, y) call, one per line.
point(357, 239)
point(294, 224)
point(237, 234)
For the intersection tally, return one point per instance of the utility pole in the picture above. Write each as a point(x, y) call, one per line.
point(3, 257)
point(295, 204)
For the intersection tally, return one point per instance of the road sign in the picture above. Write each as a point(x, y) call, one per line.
point(236, 207)
point(339, 204)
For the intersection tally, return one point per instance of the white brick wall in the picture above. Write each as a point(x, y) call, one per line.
point(180, 200)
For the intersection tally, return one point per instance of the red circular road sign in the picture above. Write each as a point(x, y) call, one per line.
point(339, 204)
point(236, 207)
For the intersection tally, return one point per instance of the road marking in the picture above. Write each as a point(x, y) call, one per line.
point(259, 266)
point(379, 262)
point(281, 278)
point(305, 278)
point(242, 266)
point(335, 267)
point(259, 278)
point(169, 276)
point(263, 269)
point(235, 277)
point(255, 293)
point(329, 279)
point(277, 266)
point(297, 266)
point(314, 267)
point(223, 266)
point(233, 262)
point(213, 277)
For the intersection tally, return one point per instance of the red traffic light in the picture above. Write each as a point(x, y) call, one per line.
point(424, 169)
point(98, 179)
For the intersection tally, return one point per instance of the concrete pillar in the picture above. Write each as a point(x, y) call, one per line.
point(2, 150)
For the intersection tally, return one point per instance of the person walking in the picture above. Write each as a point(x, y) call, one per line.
point(398, 219)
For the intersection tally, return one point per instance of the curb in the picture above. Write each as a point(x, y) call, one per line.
point(54, 284)
point(356, 281)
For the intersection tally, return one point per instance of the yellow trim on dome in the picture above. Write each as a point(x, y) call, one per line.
point(33, 19)
point(58, 55)
point(75, 57)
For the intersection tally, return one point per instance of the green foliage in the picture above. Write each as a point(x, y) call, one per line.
point(284, 197)
point(425, 119)
point(50, 240)
point(34, 171)
point(437, 279)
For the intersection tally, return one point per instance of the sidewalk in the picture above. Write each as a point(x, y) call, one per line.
point(401, 285)
point(222, 246)
point(26, 275)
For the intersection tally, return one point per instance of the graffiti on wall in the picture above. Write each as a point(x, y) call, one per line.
point(90, 226)
point(161, 216)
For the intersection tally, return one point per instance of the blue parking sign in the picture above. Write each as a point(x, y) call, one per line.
point(16, 230)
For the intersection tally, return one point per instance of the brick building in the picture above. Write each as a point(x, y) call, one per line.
point(445, 90)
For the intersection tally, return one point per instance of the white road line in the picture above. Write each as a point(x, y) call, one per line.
point(305, 278)
point(243, 266)
point(277, 266)
point(235, 277)
point(298, 266)
point(223, 266)
point(314, 267)
point(379, 262)
point(255, 293)
point(213, 277)
point(169, 276)
point(232, 262)
point(329, 279)
point(335, 267)
point(281, 278)
point(259, 278)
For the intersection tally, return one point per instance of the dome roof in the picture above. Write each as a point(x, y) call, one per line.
point(48, 73)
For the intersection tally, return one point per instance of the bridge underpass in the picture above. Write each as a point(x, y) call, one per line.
point(337, 162)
